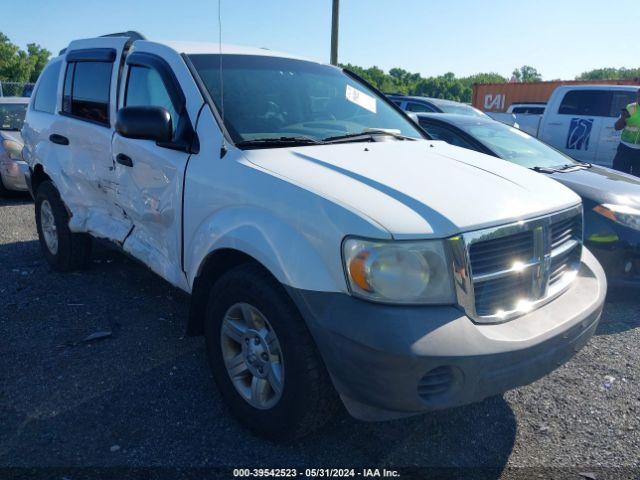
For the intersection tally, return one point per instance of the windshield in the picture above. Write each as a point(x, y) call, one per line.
point(12, 115)
point(276, 98)
point(512, 144)
point(461, 109)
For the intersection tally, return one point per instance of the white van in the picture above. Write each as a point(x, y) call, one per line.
point(579, 120)
point(330, 249)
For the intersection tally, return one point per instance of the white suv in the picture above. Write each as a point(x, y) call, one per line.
point(330, 248)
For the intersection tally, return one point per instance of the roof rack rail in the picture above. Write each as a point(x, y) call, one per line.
point(131, 34)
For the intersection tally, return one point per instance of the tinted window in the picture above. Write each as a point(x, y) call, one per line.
point(528, 110)
point(592, 103)
point(86, 91)
point(146, 88)
point(46, 94)
point(12, 115)
point(620, 101)
point(418, 107)
point(439, 132)
point(270, 97)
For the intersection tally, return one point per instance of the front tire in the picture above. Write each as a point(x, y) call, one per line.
point(4, 191)
point(263, 358)
point(64, 250)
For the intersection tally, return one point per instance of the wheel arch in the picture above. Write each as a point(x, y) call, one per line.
point(38, 175)
point(216, 264)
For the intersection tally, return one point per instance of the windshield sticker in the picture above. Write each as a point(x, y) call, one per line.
point(361, 99)
point(579, 134)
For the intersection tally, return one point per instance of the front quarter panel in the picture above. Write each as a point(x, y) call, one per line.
point(232, 203)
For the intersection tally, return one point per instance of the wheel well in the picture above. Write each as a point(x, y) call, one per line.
point(214, 266)
point(37, 177)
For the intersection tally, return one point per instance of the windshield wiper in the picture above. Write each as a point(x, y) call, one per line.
point(563, 168)
point(365, 135)
point(278, 142)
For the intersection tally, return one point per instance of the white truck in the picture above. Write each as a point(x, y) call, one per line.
point(578, 120)
point(330, 248)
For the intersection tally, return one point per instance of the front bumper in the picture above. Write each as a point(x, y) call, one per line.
point(12, 173)
point(393, 361)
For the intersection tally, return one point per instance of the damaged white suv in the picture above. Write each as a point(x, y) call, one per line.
point(331, 249)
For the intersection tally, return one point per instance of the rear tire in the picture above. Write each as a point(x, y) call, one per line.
point(307, 399)
point(64, 250)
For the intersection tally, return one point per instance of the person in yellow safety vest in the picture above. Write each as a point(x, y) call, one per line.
point(628, 156)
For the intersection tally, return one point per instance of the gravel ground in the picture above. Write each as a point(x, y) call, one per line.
point(143, 396)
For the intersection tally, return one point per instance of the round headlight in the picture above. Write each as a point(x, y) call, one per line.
point(398, 273)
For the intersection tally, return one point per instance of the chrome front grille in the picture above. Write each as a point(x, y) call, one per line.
point(504, 272)
point(500, 253)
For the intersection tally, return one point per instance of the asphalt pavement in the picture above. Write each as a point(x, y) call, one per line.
point(139, 394)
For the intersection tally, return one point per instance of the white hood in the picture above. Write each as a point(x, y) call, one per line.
point(418, 189)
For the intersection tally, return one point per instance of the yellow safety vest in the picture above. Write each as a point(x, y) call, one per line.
point(631, 133)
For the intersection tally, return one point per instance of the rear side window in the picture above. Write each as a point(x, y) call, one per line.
point(438, 132)
point(45, 96)
point(589, 103)
point(418, 107)
point(87, 89)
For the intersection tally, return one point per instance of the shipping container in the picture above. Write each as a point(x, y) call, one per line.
point(498, 97)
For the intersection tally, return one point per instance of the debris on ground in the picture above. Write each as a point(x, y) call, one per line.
point(98, 336)
point(608, 382)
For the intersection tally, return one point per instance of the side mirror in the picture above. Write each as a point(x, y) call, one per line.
point(145, 123)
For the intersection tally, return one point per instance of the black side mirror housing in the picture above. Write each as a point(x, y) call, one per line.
point(145, 123)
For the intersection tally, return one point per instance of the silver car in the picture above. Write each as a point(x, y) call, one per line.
point(12, 166)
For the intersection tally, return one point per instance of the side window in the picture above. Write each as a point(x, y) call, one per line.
point(620, 101)
point(145, 87)
point(418, 107)
point(528, 110)
point(445, 134)
point(592, 103)
point(45, 96)
point(86, 92)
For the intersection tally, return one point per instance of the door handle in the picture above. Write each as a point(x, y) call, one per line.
point(554, 124)
point(125, 160)
point(59, 139)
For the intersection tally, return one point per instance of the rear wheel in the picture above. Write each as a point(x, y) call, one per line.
point(63, 249)
point(263, 358)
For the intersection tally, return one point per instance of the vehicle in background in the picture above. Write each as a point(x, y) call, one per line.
point(417, 104)
point(579, 120)
point(12, 166)
point(611, 199)
point(498, 97)
point(328, 245)
point(27, 90)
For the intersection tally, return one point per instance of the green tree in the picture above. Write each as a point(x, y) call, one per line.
point(38, 58)
point(610, 74)
point(16, 65)
point(526, 73)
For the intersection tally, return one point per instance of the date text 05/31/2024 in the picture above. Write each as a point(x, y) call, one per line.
point(315, 473)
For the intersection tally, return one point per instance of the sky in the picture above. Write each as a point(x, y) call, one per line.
point(561, 38)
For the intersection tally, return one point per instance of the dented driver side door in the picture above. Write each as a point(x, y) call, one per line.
point(149, 175)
